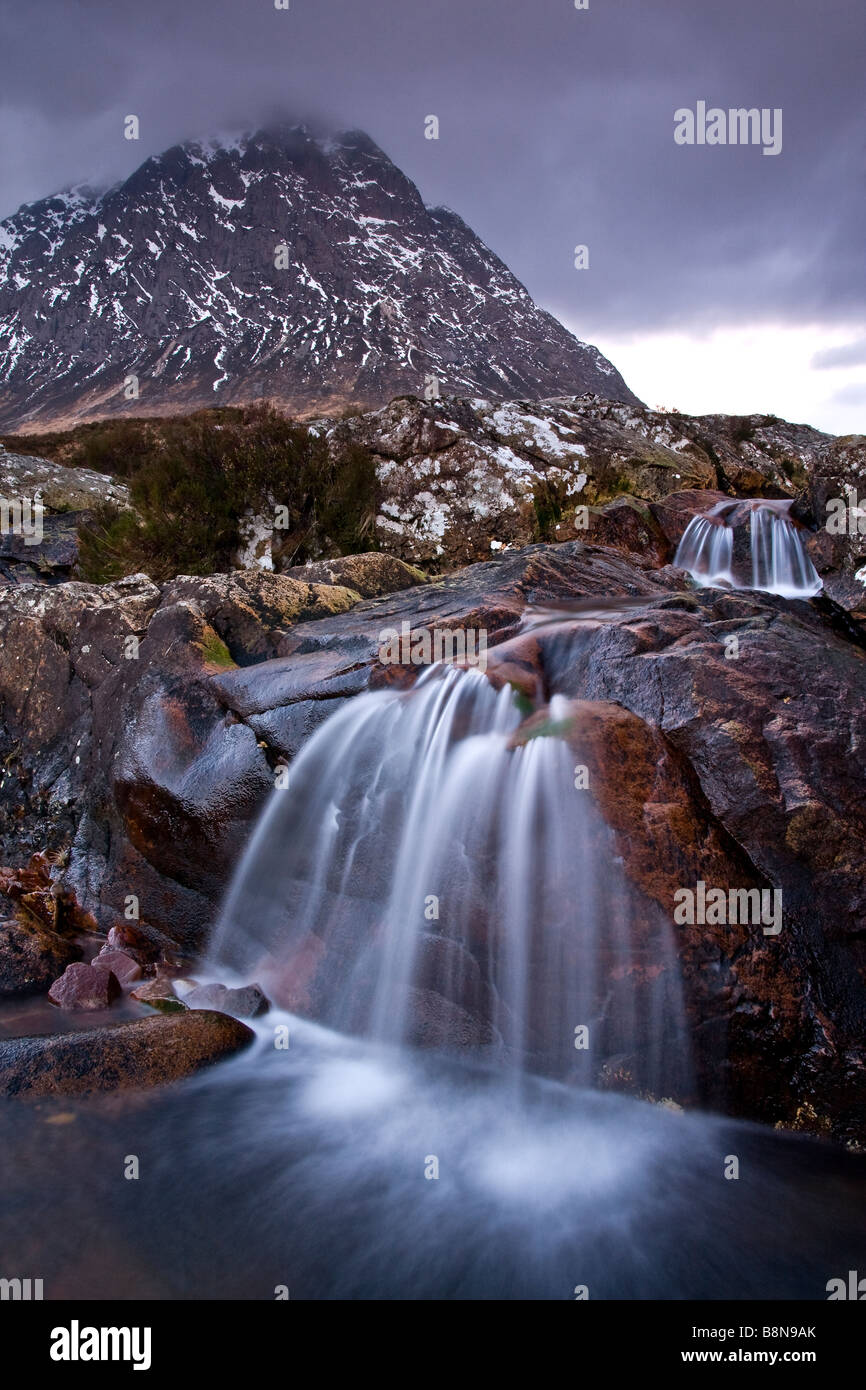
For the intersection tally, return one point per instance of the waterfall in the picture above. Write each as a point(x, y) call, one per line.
point(430, 875)
point(714, 552)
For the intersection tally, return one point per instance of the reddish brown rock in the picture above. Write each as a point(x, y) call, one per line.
point(676, 511)
point(626, 524)
point(124, 937)
point(159, 987)
point(518, 663)
point(123, 967)
point(85, 988)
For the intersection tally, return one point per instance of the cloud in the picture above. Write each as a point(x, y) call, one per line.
point(556, 128)
point(853, 394)
point(848, 355)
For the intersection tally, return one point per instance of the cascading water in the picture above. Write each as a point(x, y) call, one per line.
point(429, 875)
point(306, 1169)
point(714, 551)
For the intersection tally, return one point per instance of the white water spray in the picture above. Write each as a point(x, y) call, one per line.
point(430, 876)
point(775, 559)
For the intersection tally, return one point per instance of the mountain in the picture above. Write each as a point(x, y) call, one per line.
point(277, 264)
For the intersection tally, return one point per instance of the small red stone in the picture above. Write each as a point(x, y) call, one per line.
point(120, 964)
point(85, 987)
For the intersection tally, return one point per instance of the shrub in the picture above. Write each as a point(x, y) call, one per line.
point(742, 430)
point(549, 500)
point(194, 478)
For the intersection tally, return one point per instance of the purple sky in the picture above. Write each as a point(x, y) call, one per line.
point(556, 128)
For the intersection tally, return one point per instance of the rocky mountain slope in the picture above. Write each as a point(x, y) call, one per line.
point(277, 264)
point(144, 724)
point(461, 480)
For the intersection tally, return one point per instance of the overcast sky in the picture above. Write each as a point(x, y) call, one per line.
point(719, 278)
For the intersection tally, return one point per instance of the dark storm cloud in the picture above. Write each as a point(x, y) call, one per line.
point(556, 129)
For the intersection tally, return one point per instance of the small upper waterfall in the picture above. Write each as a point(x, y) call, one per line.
point(431, 875)
point(750, 544)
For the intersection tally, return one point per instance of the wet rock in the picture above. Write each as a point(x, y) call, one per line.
point(518, 663)
point(158, 989)
point(131, 942)
point(835, 496)
point(211, 996)
point(247, 1002)
point(436, 1021)
point(765, 741)
point(676, 511)
point(31, 957)
point(123, 967)
point(146, 1052)
point(627, 524)
point(85, 988)
point(768, 733)
point(165, 1004)
point(59, 644)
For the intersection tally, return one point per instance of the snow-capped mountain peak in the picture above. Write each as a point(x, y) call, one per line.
point(277, 263)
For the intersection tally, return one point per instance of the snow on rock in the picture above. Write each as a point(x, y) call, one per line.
point(61, 489)
point(369, 297)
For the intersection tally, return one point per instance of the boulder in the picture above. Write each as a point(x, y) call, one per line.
point(31, 957)
point(51, 559)
point(146, 1052)
point(56, 501)
point(59, 645)
point(369, 575)
point(676, 511)
point(249, 611)
point(131, 943)
point(158, 989)
point(834, 501)
point(626, 524)
point(61, 489)
point(125, 969)
point(247, 1002)
point(84, 988)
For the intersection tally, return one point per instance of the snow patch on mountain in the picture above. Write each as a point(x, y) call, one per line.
point(374, 294)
